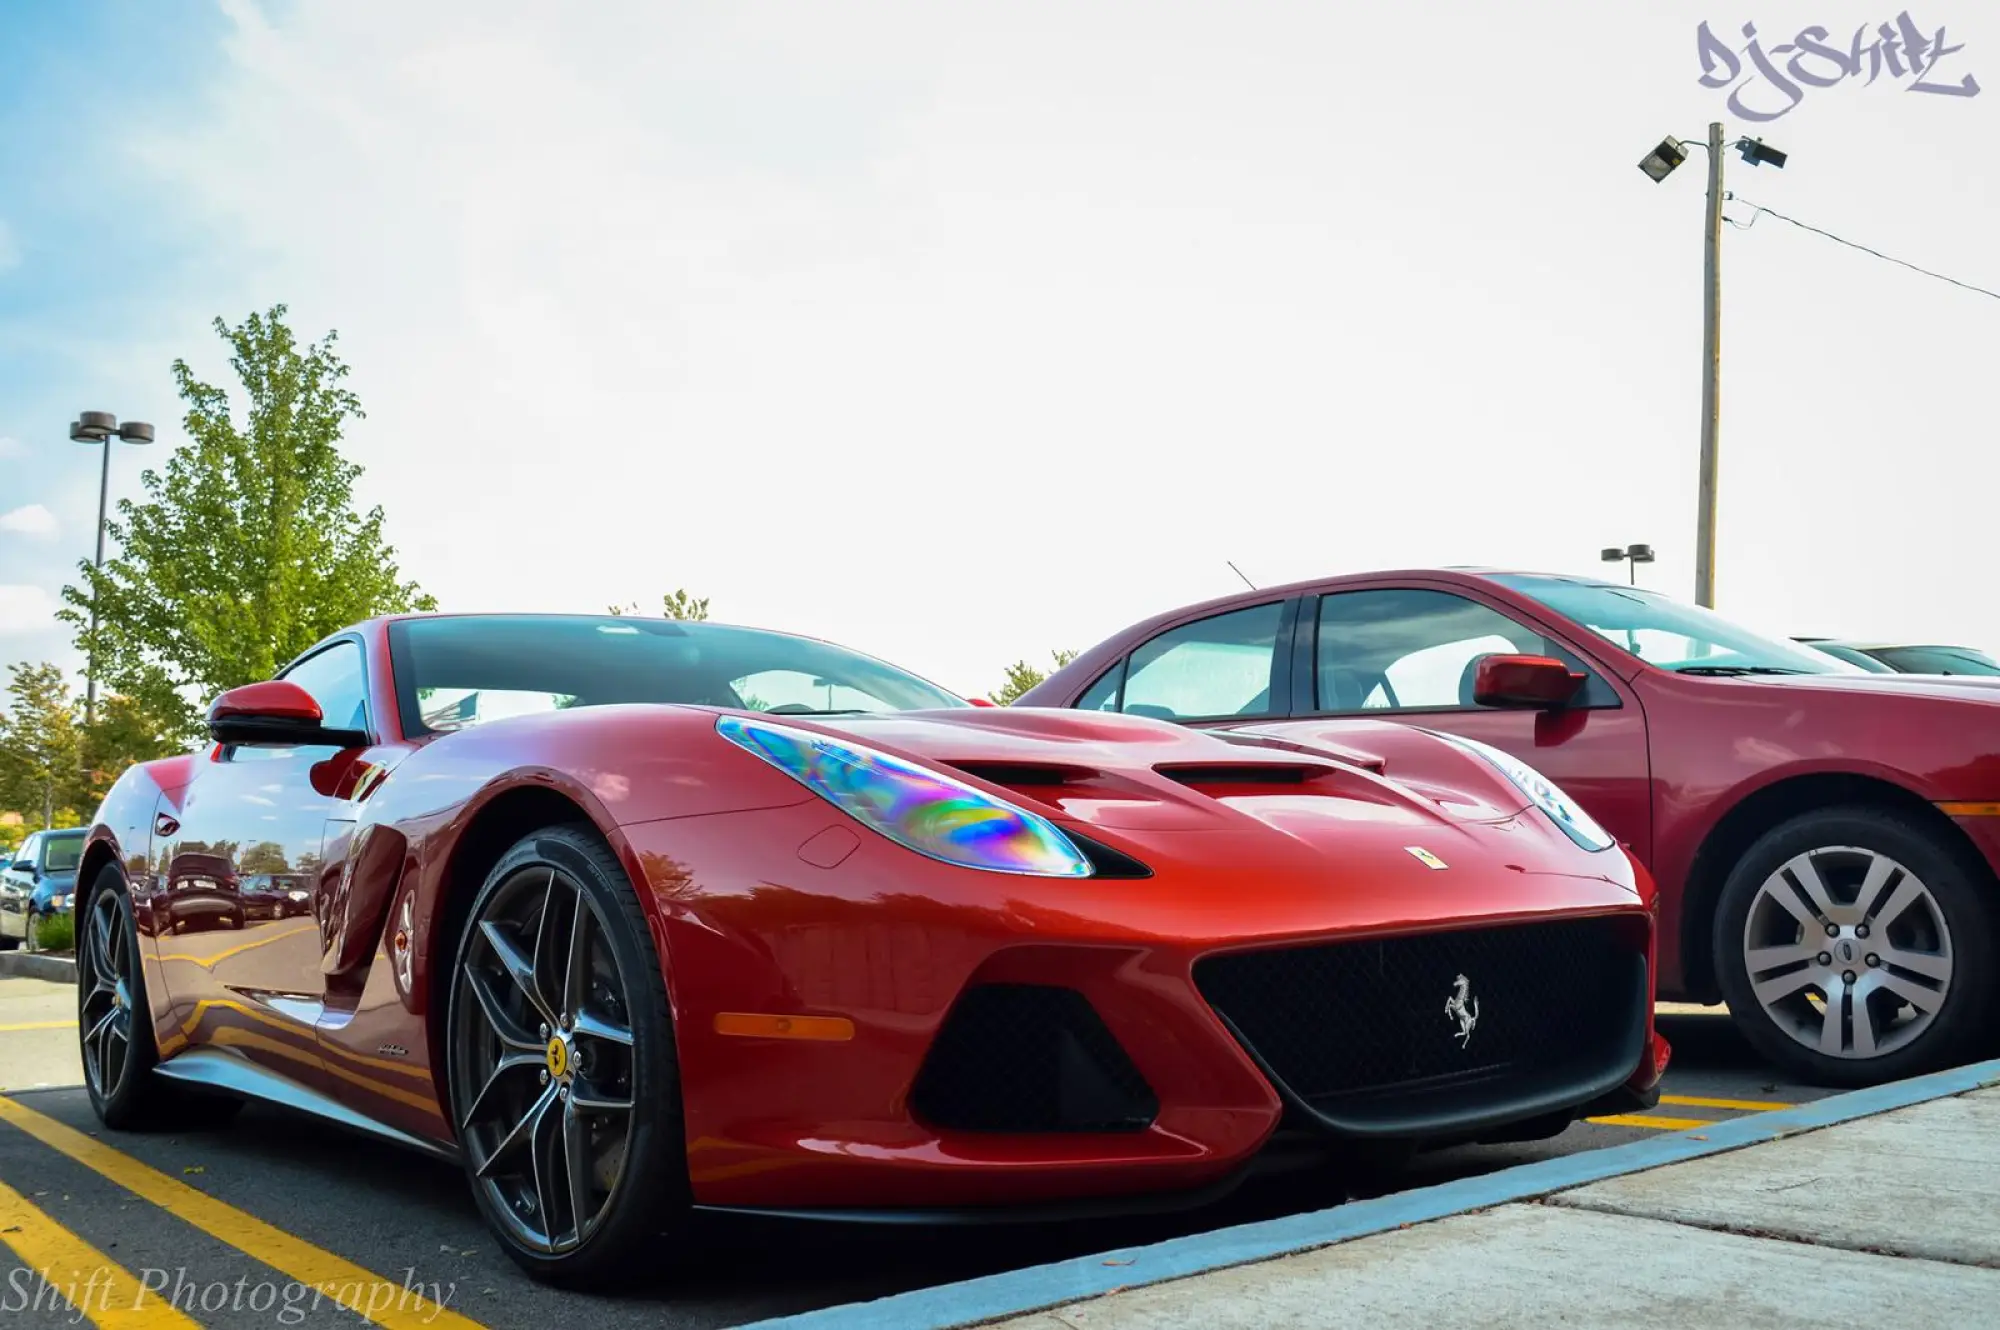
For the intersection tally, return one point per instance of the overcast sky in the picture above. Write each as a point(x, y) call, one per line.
point(961, 332)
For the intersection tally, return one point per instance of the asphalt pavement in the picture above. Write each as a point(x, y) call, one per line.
point(278, 1219)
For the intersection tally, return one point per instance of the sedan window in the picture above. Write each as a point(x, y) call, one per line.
point(1407, 648)
point(1219, 666)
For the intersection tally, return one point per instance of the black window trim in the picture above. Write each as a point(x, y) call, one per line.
point(1306, 692)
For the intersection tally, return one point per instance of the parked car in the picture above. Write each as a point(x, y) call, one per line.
point(678, 915)
point(38, 882)
point(1824, 839)
point(1883, 658)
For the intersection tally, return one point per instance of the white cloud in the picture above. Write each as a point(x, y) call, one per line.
point(25, 610)
point(29, 520)
point(11, 447)
point(961, 333)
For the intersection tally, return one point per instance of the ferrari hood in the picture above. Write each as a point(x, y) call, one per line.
point(1295, 798)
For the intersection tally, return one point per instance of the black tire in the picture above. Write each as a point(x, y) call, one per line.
point(112, 1010)
point(647, 1199)
point(1961, 896)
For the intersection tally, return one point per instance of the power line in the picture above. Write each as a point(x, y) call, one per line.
point(1745, 226)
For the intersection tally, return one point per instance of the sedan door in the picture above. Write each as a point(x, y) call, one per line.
point(1409, 653)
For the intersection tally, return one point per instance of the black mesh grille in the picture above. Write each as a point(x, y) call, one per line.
point(1030, 1058)
point(1353, 1027)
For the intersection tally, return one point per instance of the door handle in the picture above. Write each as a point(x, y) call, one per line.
point(164, 825)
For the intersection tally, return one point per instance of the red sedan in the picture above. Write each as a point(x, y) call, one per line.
point(639, 918)
point(1824, 839)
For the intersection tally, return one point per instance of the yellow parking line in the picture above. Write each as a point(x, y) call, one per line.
point(38, 1025)
point(83, 1276)
point(1650, 1123)
point(1740, 1105)
point(386, 1302)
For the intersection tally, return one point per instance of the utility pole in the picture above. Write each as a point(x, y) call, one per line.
point(1711, 373)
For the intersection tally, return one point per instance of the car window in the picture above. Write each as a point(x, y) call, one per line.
point(29, 848)
point(334, 678)
point(1936, 660)
point(1219, 666)
point(1103, 695)
point(1407, 649)
point(60, 854)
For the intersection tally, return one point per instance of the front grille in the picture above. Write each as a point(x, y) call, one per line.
point(1362, 1033)
point(1029, 1058)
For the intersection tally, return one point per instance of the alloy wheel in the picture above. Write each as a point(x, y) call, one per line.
point(542, 1060)
point(107, 981)
point(1848, 952)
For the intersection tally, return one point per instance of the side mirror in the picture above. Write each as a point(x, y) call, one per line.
point(275, 714)
point(1539, 682)
point(21, 866)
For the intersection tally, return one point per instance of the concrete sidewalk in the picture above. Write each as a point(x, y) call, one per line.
point(1879, 1207)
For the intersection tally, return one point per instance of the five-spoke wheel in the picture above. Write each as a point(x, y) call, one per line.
point(559, 1060)
point(107, 980)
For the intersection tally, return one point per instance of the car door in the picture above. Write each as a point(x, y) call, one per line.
point(17, 886)
point(1408, 653)
point(240, 976)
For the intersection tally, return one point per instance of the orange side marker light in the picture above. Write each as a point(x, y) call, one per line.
point(754, 1025)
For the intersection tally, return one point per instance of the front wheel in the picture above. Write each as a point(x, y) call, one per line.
point(1856, 945)
point(563, 1080)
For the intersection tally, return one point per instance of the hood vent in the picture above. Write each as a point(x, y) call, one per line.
point(1198, 775)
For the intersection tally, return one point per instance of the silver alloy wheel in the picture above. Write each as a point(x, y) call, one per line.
point(542, 1060)
point(104, 1014)
point(1848, 952)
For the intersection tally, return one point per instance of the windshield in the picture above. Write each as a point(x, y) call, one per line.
point(60, 853)
point(459, 670)
point(1937, 660)
point(1672, 634)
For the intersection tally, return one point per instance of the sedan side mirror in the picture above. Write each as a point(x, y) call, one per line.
point(276, 714)
point(1538, 682)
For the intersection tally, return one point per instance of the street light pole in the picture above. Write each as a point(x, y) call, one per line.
point(1711, 374)
point(100, 428)
point(1658, 165)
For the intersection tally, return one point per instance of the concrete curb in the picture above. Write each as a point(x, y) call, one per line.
point(1020, 1292)
point(38, 965)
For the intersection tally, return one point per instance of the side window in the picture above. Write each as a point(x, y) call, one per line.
point(30, 851)
point(1103, 695)
point(1219, 666)
point(334, 679)
point(1408, 649)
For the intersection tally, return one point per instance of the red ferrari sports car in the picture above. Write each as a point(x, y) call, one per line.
point(638, 918)
point(1825, 839)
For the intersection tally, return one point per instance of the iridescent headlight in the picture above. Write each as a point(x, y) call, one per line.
point(921, 809)
point(1564, 811)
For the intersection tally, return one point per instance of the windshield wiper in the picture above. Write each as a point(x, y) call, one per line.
point(1734, 669)
point(838, 711)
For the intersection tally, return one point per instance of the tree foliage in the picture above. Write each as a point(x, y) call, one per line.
point(40, 744)
point(54, 770)
point(248, 549)
point(676, 604)
point(1021, 676)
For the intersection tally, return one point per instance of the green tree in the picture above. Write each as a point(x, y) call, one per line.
point(1021, 676)
point(248, 549)
point(676, 604)
point(123, 732)
point(40, 746)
